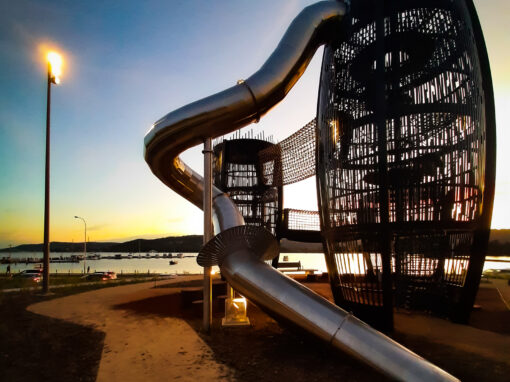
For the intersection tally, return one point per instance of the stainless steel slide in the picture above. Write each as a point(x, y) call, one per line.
point(240, 250)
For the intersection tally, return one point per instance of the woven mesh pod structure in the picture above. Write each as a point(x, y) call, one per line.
point(406, 158)
point(238, 172)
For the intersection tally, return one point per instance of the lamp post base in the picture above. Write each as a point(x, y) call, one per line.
point(235, 312)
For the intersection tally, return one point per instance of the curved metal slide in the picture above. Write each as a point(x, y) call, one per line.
point(239, 250)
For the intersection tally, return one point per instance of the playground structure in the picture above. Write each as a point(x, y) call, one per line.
point(237, 172)
point(404, 149)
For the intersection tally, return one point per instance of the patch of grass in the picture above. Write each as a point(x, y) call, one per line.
point(12, 282)
point(15, 282)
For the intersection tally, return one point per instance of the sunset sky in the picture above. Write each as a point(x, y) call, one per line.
point(128, 63)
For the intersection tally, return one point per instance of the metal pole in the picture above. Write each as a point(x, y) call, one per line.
point(208, 232)
point(46, 245)
point(385, 240)
point(84, 243)
point(85, 248)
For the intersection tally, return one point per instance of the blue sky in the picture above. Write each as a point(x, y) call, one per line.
point(127, 64)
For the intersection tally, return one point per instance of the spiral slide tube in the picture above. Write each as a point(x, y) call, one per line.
point(239, 258)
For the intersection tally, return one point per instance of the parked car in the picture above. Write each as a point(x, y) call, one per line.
point(100, 276)
point(34, 274)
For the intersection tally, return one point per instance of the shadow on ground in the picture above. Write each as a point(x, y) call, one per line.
point(39, 348)
point(468, 367)
point(165, 306)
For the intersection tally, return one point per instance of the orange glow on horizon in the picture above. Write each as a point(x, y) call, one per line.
point(24, 226)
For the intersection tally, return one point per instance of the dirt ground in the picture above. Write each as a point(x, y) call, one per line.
point(152, 345)
point(152, 334)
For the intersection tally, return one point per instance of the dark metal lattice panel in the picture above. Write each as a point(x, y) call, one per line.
point(402, 156)
point(430, 269)
point(291, 160)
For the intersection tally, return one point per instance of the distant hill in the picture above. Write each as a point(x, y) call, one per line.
point(501, 235)
point(190, 243)
point(499, 245)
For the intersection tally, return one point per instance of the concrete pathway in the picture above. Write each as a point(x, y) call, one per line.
point(485, 343)
point(138, 348)
point(503, 288)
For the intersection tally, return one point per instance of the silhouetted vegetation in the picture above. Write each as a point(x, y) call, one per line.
point(499, 249)
point(190, 243)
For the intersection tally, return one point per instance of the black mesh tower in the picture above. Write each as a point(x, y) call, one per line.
point(406, 158)
point(238, 172)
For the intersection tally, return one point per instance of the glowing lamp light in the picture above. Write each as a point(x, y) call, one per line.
point(55, 66)
point(239, 303)
point(235, 312)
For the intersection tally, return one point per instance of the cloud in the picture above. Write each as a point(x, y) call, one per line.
point(98, 227)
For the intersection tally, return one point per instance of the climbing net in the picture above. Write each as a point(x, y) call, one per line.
point(291, 160)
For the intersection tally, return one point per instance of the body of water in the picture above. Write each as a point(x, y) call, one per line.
point(161, 265)
point(140, 265)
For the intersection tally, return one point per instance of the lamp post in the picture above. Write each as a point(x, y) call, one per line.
point(208, 233)
point(84, 243)
point(54, 71)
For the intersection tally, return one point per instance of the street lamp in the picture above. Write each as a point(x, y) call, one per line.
point(84, 243)
point(54, 72)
